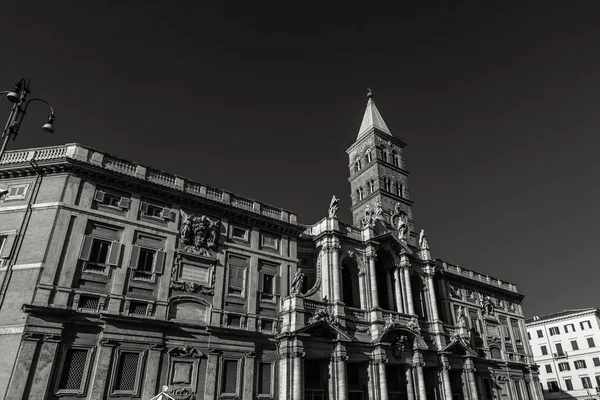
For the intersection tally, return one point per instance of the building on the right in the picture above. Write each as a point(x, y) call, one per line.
point(566, 346)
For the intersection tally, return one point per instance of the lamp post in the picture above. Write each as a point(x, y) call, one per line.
point(18, 96)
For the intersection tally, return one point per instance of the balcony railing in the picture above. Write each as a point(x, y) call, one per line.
point(129, 168)
point(355, 313)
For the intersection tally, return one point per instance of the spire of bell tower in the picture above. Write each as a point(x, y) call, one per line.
point(378, 177)
point(372, 118)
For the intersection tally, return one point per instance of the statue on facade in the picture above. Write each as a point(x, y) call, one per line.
point(199, 234)
point(297, 283)
point(333, 207)
point(399, 221)
point(488, 306)
point(460, 317)
point(378, 211)
point(423, 245)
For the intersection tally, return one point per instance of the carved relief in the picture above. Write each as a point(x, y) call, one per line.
point(399, 221)
point(297, 283)
point(199, 234)
point(333, 207)
point(185, 351)
point(455, 291)
point(321, 314)
point(182, 394)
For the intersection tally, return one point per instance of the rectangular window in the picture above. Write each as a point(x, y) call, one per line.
point(540, 334)
point(155, 211)
point(569, 384)
point(146, 262)
point(591, 343)
point(237, 232)
point(586, 382)
point(598, 380)
point(580, 364)
point(127, 373)
point(585, 325)
point(265, 379)
point(268, 287)
point(229, 377)
point(98, 254)
point(138, 308)
point(544, 350)
point(553, 386)
point(559, 350)
point(564, 366)
point(73, 372)
point(596, 362)
point(569, 327)
point(89, 303)
point(574, 345)
point(554, 331)
point(266, 325)
point(234, 321)
point(269, 241)
point(237, 275)
point(548, 368)
point(17, 192)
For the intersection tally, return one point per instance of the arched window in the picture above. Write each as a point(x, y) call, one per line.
point(387, 183)
point(357, 165)
point(371, 186)
point(395, 159)
point(361, 194)
point(368, 155)
point(400, 190)
point(384, 155)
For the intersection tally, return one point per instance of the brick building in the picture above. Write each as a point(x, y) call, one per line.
point(118, 280)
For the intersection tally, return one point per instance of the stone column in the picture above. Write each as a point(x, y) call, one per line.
point(362, 291)
point(22, 369)
point(336, 271)
point(446, 377)
point(211, 373)
point(430, 271)
point(331, 395)
point(298, 374)
point(410, 385)
point(101, 373)
point(421, 380)
point(248, 386)
point(340, 359)
point(325, 267)
point(409, 297)
point(469, 369)
point(383, 380)
point(373, 278)
point(398, 291)
point(151, 376)
point(390, 291)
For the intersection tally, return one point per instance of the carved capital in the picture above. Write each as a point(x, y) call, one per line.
point(297, 354)
point(214, 352)
point(251, 354)
point(335, 247)
point(339, 357)
point(418, 364)
point(429, 271)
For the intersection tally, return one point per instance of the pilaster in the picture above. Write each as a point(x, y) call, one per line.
point(100, 372)
point(25, 358)
point(152, 369)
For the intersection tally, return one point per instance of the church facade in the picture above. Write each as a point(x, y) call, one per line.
point(119, 281)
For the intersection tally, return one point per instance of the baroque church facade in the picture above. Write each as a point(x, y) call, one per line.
point(122, 281)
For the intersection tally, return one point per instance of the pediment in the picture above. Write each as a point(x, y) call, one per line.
point(391, 239)
point(460, 344)
point(326, 329)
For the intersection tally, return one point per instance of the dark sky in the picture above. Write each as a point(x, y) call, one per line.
point(498, 106)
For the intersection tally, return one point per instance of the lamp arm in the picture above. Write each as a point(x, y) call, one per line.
point(36, 99)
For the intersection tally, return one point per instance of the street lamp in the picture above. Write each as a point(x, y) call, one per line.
point(18, 96)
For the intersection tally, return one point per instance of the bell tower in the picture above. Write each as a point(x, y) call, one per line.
point(377, 169)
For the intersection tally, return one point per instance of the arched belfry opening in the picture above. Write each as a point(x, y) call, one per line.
point(350, 287)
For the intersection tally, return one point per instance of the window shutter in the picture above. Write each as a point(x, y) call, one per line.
point(9, 243)
point(124, 202)
point(277, 284)
point(99, 196)
point(165, 213)
point(144, 208)
point(86, 248)
point(261, 281)
point(135, 255)
point(115, 253)
point(159, 265)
